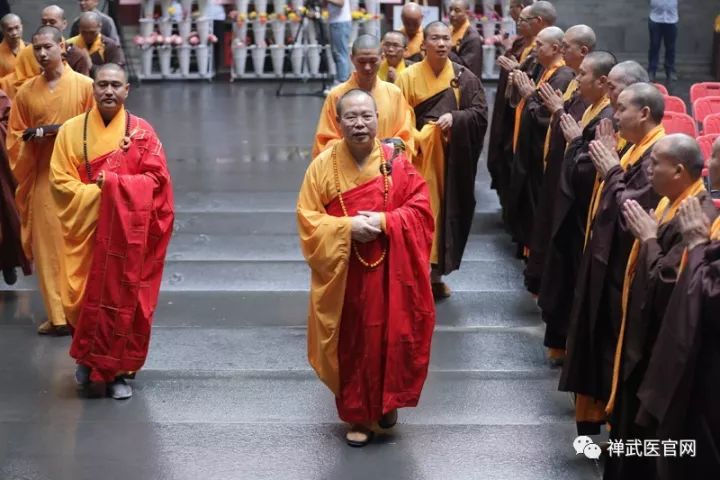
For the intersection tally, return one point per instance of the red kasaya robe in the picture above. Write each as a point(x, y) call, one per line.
point(112, 334)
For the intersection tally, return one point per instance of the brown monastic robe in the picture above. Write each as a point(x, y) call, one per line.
point(679, 394)
point(575, 107)
point(526, 169)
point(469, 52)
point(596, 312)
point(656, 273)
point(501, 127)
point(564, 249)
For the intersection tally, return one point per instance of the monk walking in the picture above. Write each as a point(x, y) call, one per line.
point(366, 229)
point(112, 191)
point(42, 104)
point(395, 119)
point(450, 123)
point(394, 45)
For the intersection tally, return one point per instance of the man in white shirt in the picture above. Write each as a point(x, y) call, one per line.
point(340, 22)
point(663, 28)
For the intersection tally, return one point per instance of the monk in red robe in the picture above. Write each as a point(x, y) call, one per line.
point(366, 230)
point(112, 189)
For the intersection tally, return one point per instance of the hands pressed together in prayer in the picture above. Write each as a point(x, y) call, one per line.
point(605, 133)
point(508, 63)
point(552, 99)
point(570, 127)
point(366, 226)
point(694, 224)
point(642, 224)
point(603, 157)
point(525, 86)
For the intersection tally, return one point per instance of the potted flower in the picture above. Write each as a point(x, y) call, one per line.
point(240, 52)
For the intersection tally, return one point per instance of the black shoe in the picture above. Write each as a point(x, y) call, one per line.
point(389, 420)
point(9, 275)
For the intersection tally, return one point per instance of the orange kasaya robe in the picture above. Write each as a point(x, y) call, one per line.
point(385, 66)
point(394, 115)
point(8, 58)
point(36, 105)
point(369, 329)
point(414, 46)
point(114, 238)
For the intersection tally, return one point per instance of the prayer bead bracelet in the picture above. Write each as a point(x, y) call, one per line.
point(384, 168)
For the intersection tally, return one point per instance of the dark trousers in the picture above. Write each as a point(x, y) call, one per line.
point(667, 34)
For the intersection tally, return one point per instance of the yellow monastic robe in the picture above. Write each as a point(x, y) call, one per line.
point(79, 203)
point(35, 105)
point(326, 243)
point(458, 33)
point(414, 44)
point(97, 45)
point(26, 66)
point(394, 115)
point(8, 58)
point(418, 83)
point(384, 67)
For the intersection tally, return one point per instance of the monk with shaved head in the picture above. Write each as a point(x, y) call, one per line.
point(532, 119)
point(12, 29)
point(412, 19)
point(597, 311)
point(467, 43)
point(109, 164)
point(101, 48)
point(107, 24)
point(366, 225)
point(650, 276)
point(41, 105)
point(395, 117)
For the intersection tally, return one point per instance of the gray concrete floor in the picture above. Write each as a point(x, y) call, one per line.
point(227, 392)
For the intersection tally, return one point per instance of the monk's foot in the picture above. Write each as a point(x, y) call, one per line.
point(82, 375)
point(119, 389)
point(388, 420)
point(9, 275)
point(47, 328)
point(359, 435)
point(556, 357)
point(440, 291)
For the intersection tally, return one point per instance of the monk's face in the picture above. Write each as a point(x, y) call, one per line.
point(591, 88)
point(714, 166)
point(393, 48)
point(573, 52)
point(412, 21)
point(525, 21)
point(437, 42)
point(13, 30)
point(89, 31)
point(367, 63)
point(48, 52)
point(110, 91)
point(358, 120)
point(87, 5)
point(457, 14)
point(629, 116)
point(53, 17)
point(547, 51)
point(664, 171)
point(615, 85)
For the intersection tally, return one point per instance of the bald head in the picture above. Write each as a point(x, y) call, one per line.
point(411, 16)
point(52, 32)
point(53, 10)
point(12, 30)
point(548, 46)
point(681, 149)
point(551, 35)
point(8, 19)
point(599, 63)
point(516, 6)
point(545, 10)
point(623, 75)
point(645, 95)
point(366, 42)
point(112, 68)
point(90, 19)
point(54, 16)
point(581, 35)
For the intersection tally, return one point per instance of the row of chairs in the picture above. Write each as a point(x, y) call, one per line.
point(705, 98)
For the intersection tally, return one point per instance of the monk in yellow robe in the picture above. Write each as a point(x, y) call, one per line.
point(11, 45)
point(394, 45)
point(395, 118)
point(450, 121)
point(112, 190)
point(41, 105)
point(412, 18)
point(100, 48)
point(27, 65)
point(366, 229)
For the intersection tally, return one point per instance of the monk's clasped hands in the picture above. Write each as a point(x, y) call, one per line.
point(365, 226)
point(570, 127)
point(694, 224)
point(641, 224)
point(603, 158)
point(552, 99)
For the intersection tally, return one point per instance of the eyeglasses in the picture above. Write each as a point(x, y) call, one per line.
point(526, 19)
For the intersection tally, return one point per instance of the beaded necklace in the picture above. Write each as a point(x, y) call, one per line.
point(384, 169)
point(88, 169)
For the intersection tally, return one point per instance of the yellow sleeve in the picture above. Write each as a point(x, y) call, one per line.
point(26, 66)
point(405, 131)
point(324, 239)
point(17, 124)
point(78, 203)
point(328, 130)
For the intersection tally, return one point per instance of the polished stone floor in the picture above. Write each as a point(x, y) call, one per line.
point(227, 393)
